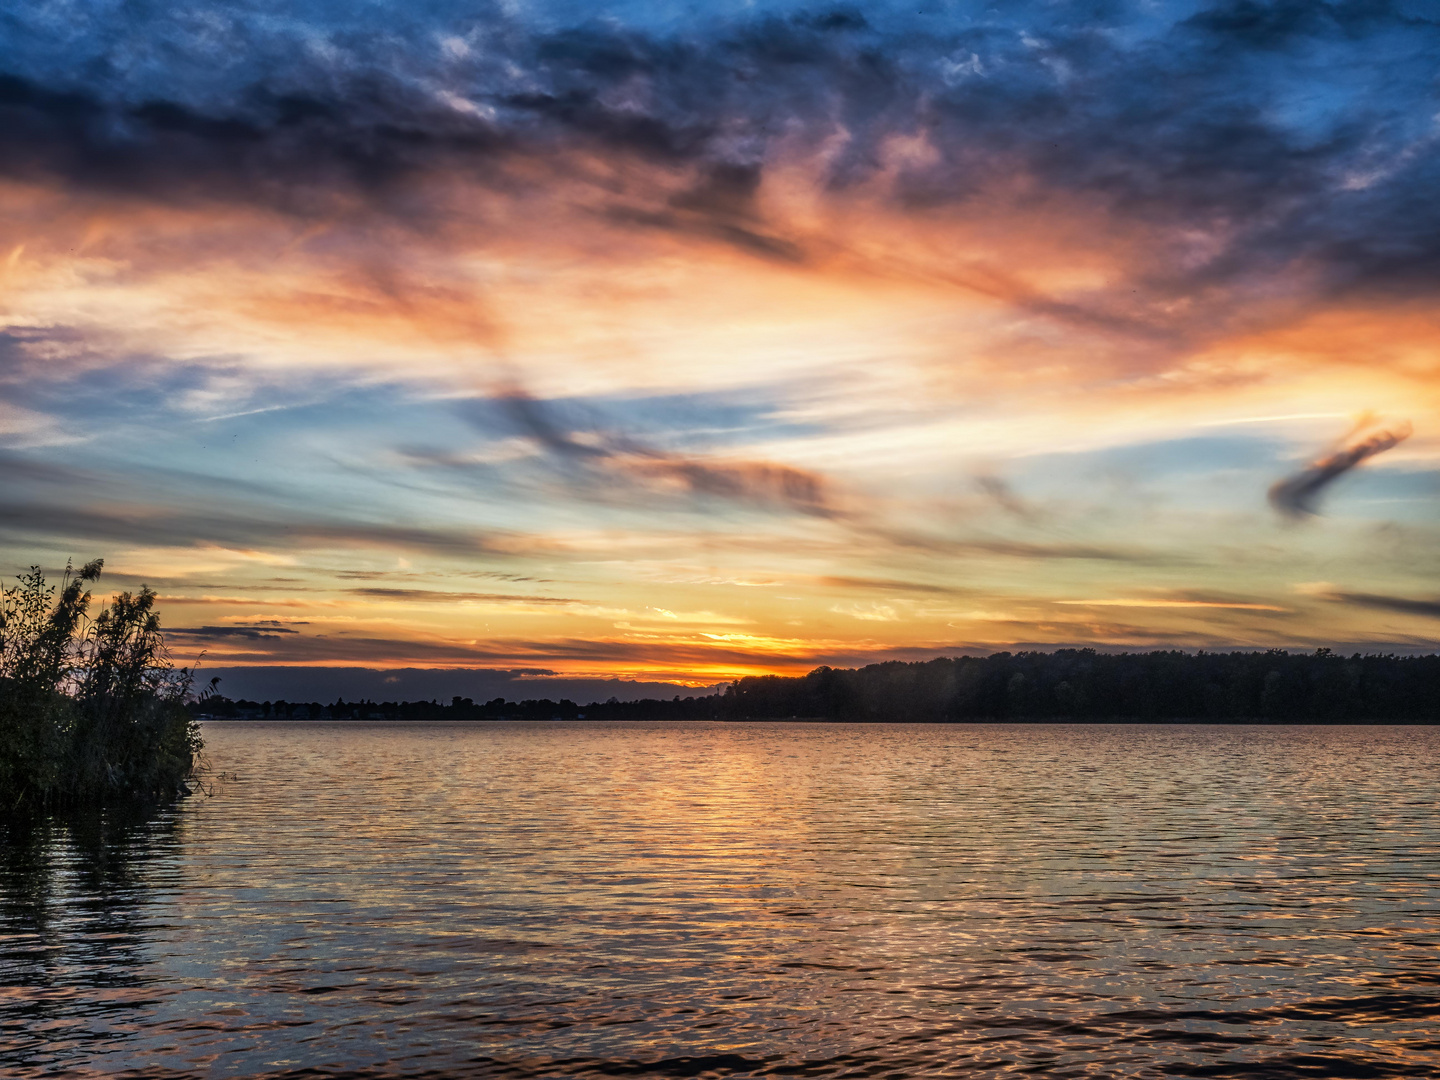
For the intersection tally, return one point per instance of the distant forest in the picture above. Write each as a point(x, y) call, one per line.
point(1079, 685)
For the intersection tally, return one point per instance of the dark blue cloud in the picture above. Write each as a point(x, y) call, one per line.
point(1298, 495)
point(1297, 130)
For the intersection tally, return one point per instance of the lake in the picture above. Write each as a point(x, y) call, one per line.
point(733, 900)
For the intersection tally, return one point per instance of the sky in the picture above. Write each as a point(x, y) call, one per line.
point(680, 342)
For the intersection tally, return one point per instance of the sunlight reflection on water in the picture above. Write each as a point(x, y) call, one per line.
point(815, 900)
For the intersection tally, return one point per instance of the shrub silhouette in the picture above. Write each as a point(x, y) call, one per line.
point(91, 710)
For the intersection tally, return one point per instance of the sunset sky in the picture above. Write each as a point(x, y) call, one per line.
point(685, 341)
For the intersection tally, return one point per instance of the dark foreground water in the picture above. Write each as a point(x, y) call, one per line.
point(744, 900)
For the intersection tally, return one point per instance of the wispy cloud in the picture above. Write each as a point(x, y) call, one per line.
point(1298, 496)
point(1149, 602)
point(438, 596)
point(217, 633)
point(1428, 607)
point(762, 484)
point(167, 527)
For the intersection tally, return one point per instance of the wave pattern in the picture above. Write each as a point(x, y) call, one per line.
point(424, 901)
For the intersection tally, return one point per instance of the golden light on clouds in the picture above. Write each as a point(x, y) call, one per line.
point(535, 365)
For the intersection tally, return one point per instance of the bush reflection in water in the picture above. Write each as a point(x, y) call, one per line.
point(737, 900)
point(77, 896)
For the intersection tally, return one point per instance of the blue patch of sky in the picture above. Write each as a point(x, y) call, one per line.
point(312, 446)
point(1397, 494)
point(1222, 473)
point(130, 390)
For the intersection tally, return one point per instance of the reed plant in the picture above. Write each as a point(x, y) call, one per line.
point(91, 709)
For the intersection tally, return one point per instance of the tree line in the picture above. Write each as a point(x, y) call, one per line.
point(1072, 685)
point(218, 707)
point(1273, 686)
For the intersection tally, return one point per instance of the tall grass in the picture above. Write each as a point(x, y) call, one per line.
point(91, 710)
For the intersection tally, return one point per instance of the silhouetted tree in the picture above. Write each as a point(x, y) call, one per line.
point(89, 709)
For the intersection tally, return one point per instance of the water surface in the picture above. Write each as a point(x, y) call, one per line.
point(730, 900)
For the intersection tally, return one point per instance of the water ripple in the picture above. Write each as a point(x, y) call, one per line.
point(410, 901)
